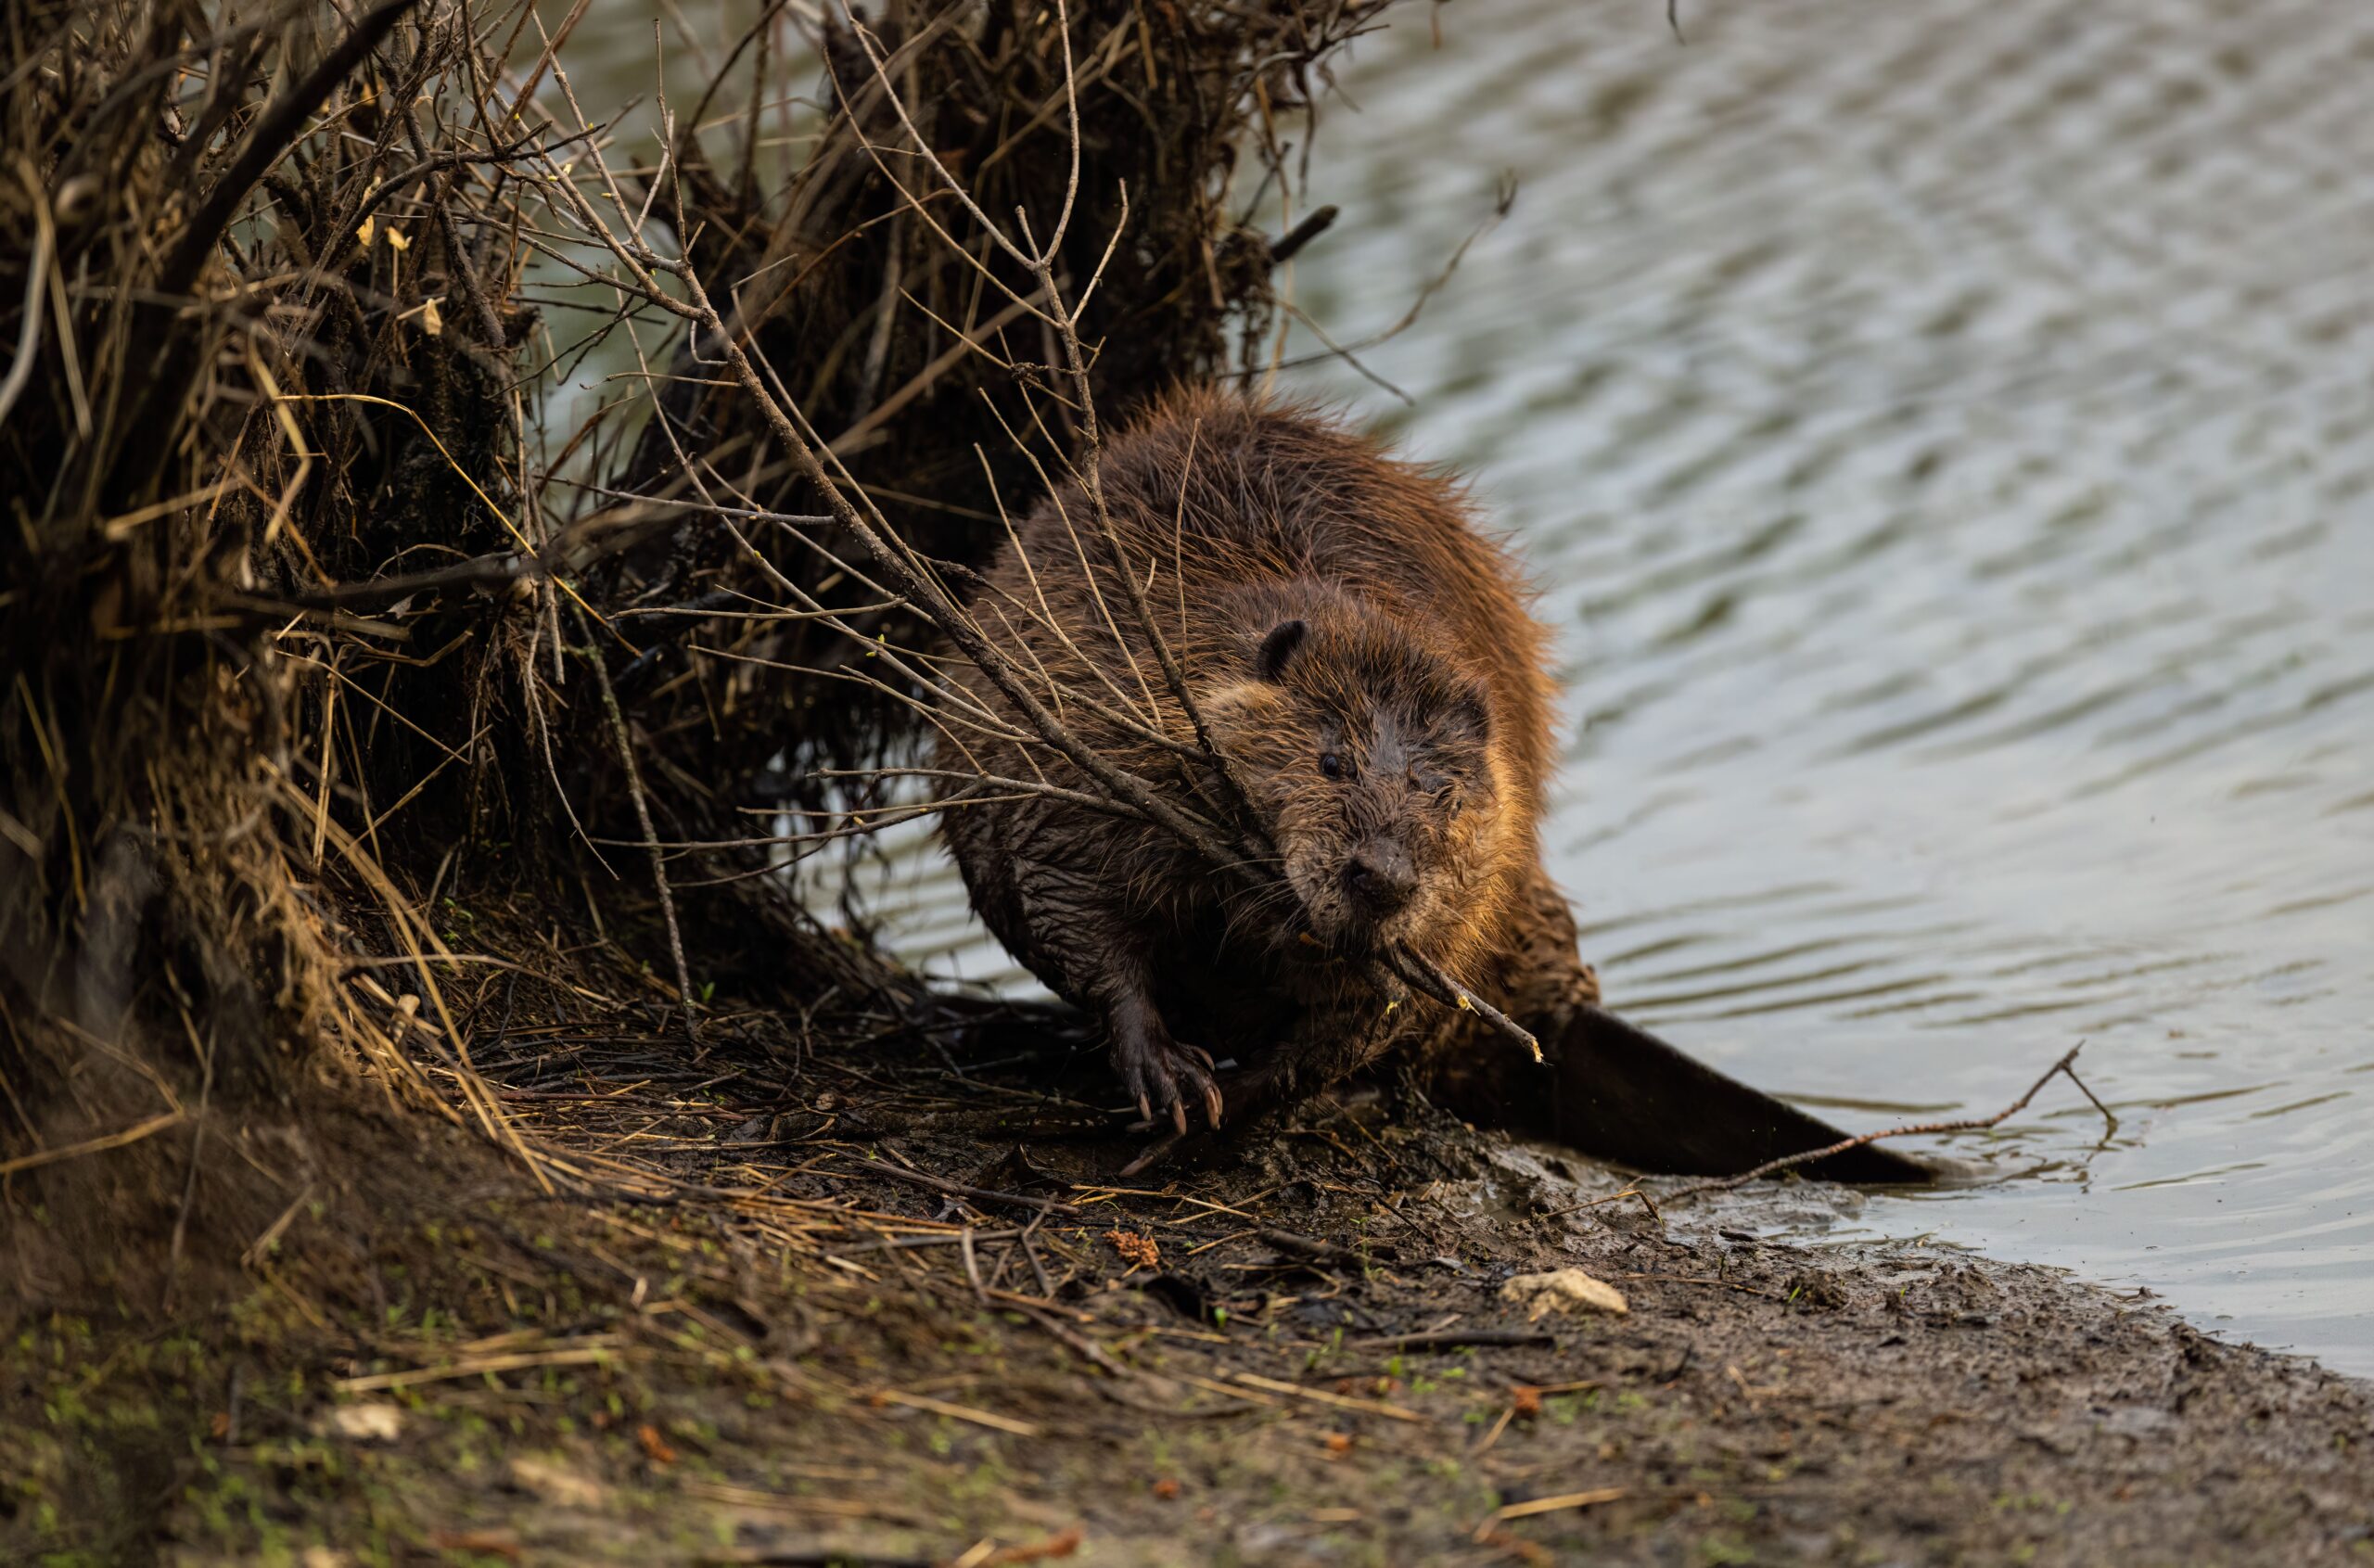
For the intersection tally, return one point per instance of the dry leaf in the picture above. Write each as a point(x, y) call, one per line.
point(1136, 1249)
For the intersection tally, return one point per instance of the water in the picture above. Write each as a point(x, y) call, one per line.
point(1941, 436)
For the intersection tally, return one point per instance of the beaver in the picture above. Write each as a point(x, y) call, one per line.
point(1365, 658)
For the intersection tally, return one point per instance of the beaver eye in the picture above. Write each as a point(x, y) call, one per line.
point(1331, 764)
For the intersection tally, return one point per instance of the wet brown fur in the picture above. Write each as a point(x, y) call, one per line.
point(1417, 663)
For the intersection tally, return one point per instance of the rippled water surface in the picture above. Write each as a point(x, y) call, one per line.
point(1943, 435)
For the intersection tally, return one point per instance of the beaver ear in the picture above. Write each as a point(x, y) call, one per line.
point(1269, 659)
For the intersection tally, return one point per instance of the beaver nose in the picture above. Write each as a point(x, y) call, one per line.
point(1380, 877)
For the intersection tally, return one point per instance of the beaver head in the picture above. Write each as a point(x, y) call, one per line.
point(1368, 756)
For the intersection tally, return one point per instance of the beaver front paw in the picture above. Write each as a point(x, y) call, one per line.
point(1158, 1071)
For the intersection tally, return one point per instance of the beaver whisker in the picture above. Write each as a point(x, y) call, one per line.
point(1262, 863)
point(1243, 909)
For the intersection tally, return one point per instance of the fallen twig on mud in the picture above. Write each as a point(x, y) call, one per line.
point(129, 1135)
point(954, 1238)
point(1453, 1339)
point(1322, 1396)
point(1563, 1501)
point(602, 1349)
point(990, 1418)
point(958, 1189)
point(1311, 1247)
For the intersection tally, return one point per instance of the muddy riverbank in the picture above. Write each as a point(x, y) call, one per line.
point(851, 1317)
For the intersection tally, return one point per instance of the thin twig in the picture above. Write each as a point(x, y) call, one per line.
point(1974, 1124)
point(1427, 979)
point(959, 1189)
point(132, 1134)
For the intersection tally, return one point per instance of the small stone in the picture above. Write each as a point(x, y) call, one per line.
point(1563, 1289)
point(368, 1423)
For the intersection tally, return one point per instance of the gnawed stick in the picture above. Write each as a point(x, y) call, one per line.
point(1425, 978)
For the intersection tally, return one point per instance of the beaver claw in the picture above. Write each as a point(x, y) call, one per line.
point(1160, 1073)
